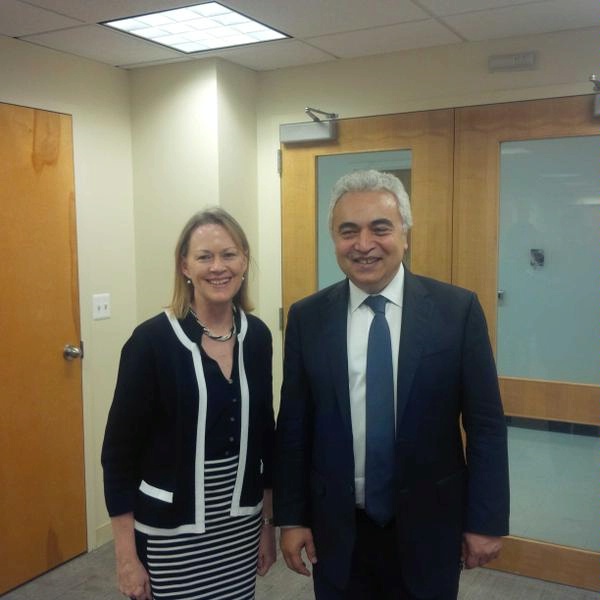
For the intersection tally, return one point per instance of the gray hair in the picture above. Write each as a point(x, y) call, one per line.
point(372, 181)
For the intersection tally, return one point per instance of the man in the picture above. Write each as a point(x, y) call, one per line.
point(380, 370)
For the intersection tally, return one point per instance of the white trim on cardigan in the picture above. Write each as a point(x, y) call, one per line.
point(236, 509)
point(154, 492)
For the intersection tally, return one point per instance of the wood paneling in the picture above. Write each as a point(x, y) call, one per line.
point(552, 400)
point(561, 564)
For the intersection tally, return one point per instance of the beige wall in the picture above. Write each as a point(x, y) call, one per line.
point(97, 96)
point(174, 166)
point(153, 145)
point(194, 145)
point(237, 90)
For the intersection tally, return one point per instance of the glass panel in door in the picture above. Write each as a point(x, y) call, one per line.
point(549, 236)
point(548, 271)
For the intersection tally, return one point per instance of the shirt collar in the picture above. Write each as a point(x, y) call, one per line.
point(393, 291)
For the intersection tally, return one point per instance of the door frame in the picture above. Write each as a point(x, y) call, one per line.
point(430, 137)
point(479, 132)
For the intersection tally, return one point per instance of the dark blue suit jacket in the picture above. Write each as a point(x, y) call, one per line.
point(446, 373)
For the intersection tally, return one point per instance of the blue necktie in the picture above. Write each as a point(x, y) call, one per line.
point(380, 425)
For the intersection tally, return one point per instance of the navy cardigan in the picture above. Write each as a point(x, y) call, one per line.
point(153, 451)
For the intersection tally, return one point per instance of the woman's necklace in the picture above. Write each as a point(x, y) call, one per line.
point(212, 336)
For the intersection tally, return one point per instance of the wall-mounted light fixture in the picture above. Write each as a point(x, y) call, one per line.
point(317, 130)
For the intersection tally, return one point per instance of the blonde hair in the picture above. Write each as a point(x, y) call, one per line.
point(183, 293)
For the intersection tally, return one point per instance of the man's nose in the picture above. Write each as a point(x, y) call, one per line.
point(364, 241)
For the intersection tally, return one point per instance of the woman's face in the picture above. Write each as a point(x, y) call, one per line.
point(215, 265)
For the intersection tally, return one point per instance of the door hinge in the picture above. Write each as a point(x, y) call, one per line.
point(280, 318)
point(279, 166)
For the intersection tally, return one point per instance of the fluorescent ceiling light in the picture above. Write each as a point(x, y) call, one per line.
point(197, 28)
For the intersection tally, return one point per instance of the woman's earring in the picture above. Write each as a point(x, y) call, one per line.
point(243, 278)
point(189, 281)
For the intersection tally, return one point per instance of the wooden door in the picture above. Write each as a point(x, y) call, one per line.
point(42, 501)
point(429, 137)
point(480, 132)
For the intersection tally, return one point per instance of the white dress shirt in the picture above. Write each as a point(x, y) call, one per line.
point(359, 322)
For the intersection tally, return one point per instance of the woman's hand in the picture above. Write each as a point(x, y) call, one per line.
point(133, 579)
point(267, 554)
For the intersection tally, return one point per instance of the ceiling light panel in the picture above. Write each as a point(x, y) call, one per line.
point(197, 28)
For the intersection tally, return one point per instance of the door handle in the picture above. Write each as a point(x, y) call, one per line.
point(72, 352)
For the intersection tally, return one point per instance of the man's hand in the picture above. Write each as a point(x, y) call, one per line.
point(292, 541)
point(477, 550)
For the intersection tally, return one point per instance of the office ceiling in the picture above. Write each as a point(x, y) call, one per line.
point(320, 30)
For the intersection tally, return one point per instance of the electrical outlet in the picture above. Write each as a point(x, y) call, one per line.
point(100, 306)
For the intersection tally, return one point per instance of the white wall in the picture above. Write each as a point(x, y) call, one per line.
point(431, 78)
point(237, 90)
point(175, 160)
point(97, 97)
point(194, 145)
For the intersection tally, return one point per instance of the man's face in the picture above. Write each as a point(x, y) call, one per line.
point(368, 237)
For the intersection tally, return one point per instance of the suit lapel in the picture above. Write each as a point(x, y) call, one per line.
point(335, 329)
point(416, 308)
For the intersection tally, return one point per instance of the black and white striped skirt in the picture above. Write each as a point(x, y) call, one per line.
point(218, 564)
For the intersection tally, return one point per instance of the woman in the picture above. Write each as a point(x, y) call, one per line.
point(188, 446)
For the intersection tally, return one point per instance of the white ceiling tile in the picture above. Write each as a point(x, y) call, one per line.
point(386, 39)
point(94, 11)
point(102, 44)
point(324, 29)
point(17, 19)
point(456, 7)
point(262, 57)
point(528, 19)
point(275, 55)
point(302, 18)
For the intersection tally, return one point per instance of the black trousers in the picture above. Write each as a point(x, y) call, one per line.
point(375, 572)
